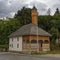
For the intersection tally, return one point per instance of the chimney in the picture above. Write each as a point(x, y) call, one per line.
point(34, 16)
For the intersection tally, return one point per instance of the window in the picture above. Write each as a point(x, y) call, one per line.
point(12, 39)
point(17, 38)
point(12, 45)
point(33, 41)
point(17, 45)
point(46, 41)
point(40, 41)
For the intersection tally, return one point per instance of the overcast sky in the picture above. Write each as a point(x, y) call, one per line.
point(9, 7)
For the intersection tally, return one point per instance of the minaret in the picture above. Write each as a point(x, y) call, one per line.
point(34, 16)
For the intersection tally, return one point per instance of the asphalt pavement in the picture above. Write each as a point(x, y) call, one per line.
point(11, 56)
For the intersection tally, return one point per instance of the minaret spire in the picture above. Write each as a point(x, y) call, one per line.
point(34, 15)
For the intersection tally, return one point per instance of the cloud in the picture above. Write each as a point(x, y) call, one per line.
point(40, 6)
point(55, 5)
point(3, 8)
point(9, 7)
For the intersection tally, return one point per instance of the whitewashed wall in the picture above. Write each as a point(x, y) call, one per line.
point(15, 42)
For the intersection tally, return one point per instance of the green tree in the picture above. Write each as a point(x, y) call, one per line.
point(6, 28)
point(55, 33)
point(57, 12)
point(24, 16)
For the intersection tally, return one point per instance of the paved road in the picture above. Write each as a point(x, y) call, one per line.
point(26, 57)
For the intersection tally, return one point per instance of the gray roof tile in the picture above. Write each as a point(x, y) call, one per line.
point(30, 29)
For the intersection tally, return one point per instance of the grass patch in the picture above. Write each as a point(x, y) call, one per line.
point(53, 52)
point(44, 53)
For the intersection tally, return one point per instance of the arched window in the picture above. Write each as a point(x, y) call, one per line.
point(46, 41)
point(33, 41)
point(40, 41)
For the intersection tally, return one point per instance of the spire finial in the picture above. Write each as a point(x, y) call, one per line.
point(34, 7)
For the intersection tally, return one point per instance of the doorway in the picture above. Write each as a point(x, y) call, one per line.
point(40, 44)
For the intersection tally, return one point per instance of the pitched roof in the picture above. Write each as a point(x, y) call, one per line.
point(30, 29)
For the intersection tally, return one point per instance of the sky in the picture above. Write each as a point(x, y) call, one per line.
point(9, 7)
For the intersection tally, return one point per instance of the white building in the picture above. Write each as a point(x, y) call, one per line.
point(15, 44)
